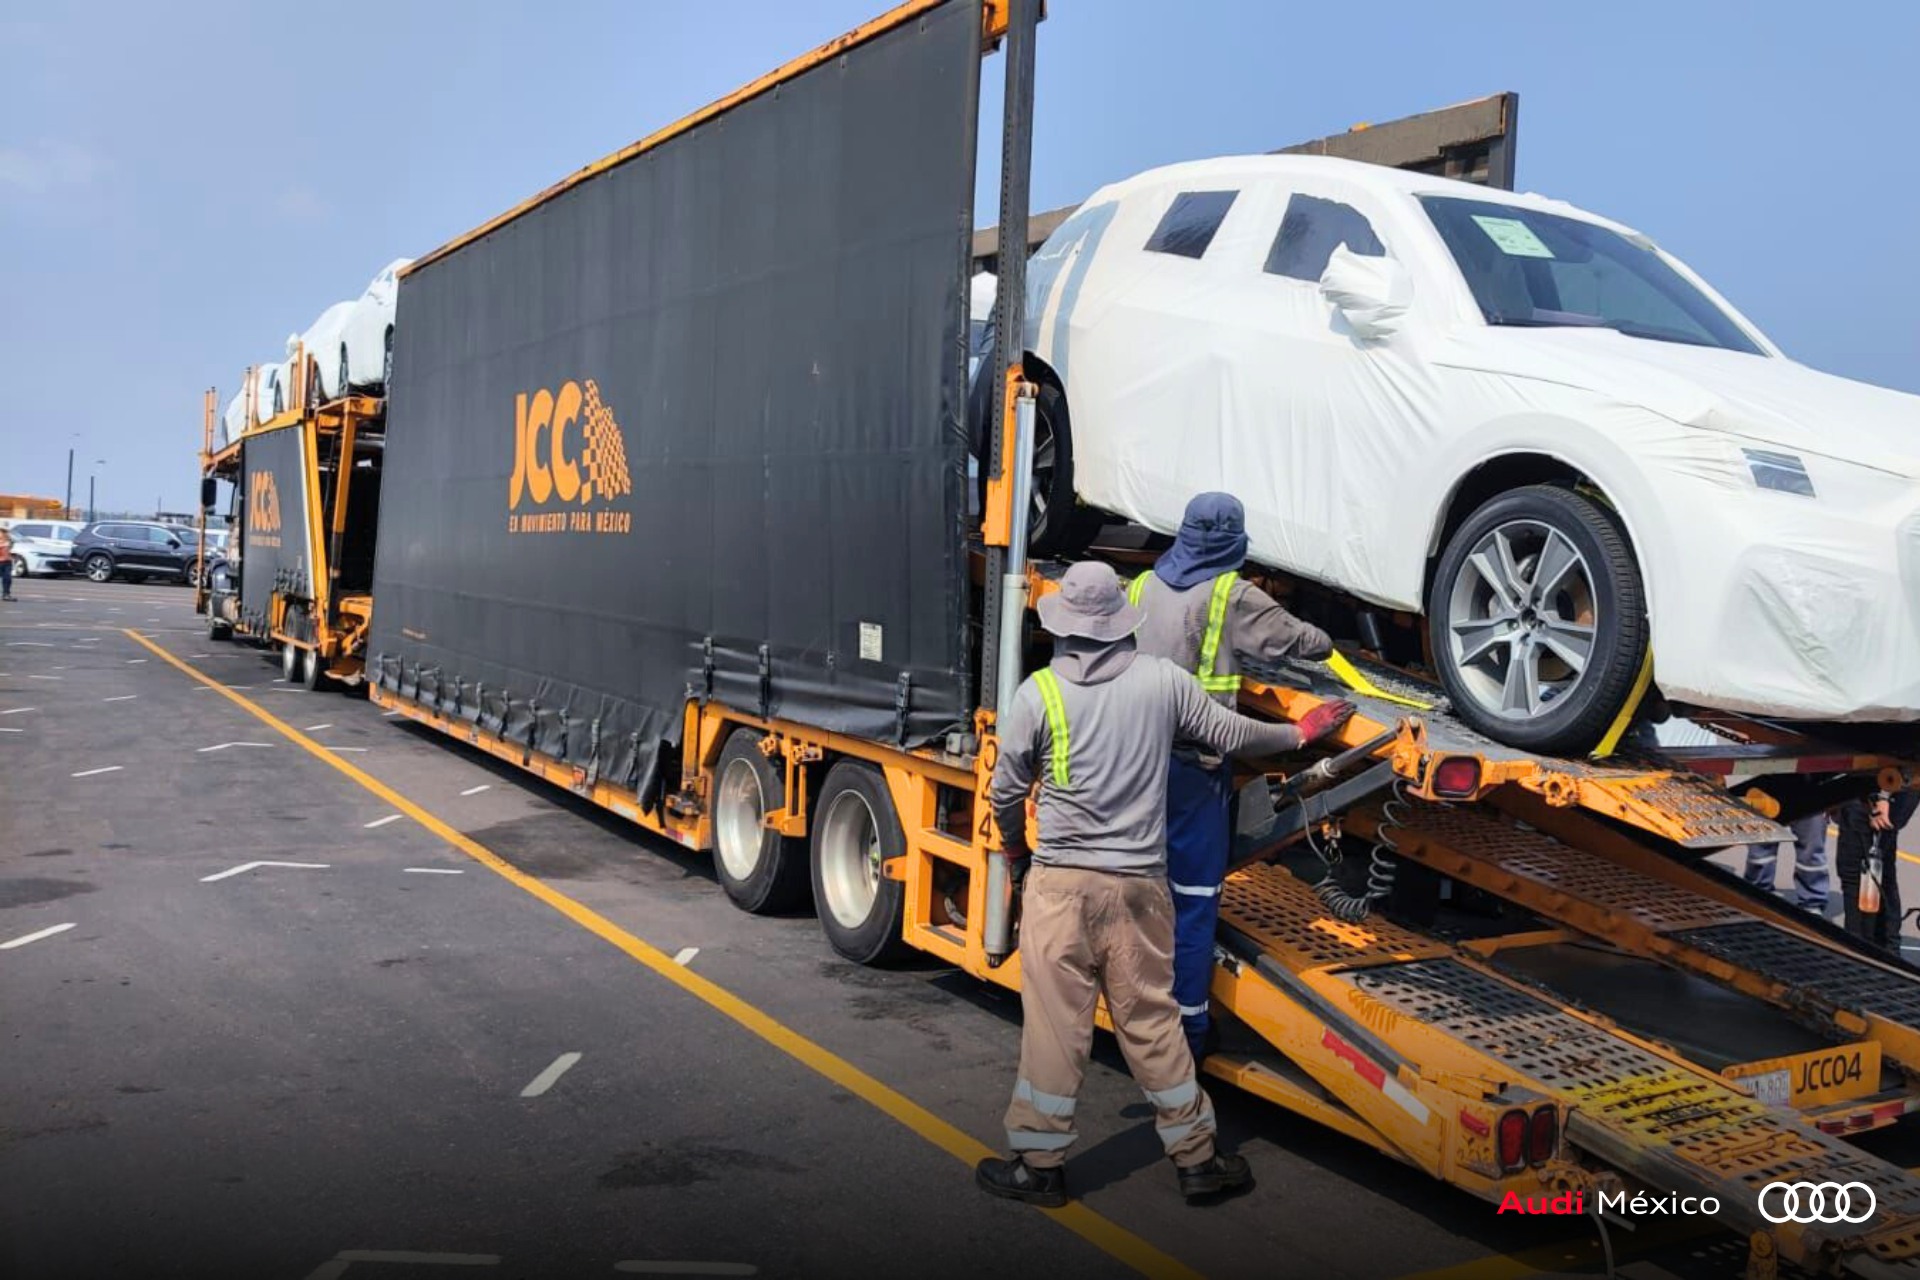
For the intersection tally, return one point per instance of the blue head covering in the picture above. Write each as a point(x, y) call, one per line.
point(1211, 541)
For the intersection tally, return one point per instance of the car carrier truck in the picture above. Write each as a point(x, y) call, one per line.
point(689, 529)
point(304, 497)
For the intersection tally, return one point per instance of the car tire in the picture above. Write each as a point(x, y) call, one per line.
point(762, 871)
point(855, 831)
point(290, 662)
point(20, 567)
point(98, 567)
point(1572, 647)
point(1058, 524)
point(190, 575)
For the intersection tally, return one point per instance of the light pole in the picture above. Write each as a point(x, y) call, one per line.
point(98, 462)
point(67, 511)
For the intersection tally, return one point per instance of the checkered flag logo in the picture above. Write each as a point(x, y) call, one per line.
point(605, 453)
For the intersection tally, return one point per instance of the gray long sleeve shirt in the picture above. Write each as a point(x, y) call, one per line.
point(1257, 628)
point(1123, 711)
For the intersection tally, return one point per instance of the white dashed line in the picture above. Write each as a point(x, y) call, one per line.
point(544, 1081)
point(25, 938)
point(222, 746)
point(381, 822)
point(315, 728)
point(474, 791)
point(88, 773)
point(279, 680)
point(14, 711)
point(40, 677)
point(125, 697)
point(346, 748)
point(434, 871)
point(134, 662)
point(12, 730)
point(248, 866)
point(388, 715)
point(30, 644)
point(686, 955)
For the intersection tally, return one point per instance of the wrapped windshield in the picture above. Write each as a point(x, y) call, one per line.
point(1527, 267)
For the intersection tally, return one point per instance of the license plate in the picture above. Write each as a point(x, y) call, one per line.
point(1839, 1074)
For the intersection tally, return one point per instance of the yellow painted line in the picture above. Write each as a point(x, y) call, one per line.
point(1105, 1235)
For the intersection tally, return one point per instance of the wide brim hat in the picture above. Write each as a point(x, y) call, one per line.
point(1090, 604)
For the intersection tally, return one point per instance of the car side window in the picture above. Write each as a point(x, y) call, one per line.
point(1309, 233)
point(30, 531)
point(108, 531)
point(1188, 226)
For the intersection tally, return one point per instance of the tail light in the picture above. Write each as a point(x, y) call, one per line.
point(1543, 1136)
point(1457, 778)
point(1513, 1140)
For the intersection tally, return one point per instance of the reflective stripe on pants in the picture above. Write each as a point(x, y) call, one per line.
point(1084, 934)
point(1198, 839)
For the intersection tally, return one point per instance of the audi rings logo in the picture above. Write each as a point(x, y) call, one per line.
point(1807, 1202)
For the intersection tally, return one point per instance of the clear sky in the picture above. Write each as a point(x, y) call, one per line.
point(182, 185)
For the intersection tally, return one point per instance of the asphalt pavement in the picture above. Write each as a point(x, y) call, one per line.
point(268, 1017)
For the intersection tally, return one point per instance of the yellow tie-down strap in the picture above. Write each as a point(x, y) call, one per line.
point(1351, 677)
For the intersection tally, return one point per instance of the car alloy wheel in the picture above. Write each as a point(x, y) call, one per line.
point(19, 567)
point(1522, 618)
point(1537, 619)
point(99, 567)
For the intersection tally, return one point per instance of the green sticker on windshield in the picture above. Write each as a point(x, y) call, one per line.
point(1513, 237)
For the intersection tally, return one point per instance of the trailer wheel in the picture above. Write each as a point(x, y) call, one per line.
point(217, 629)
point(311, 670)
point(855, 830)
point(290, 662)
point(762, 871)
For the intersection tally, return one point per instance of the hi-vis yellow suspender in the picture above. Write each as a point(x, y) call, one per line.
point(1049, 686)
point(1216, 627)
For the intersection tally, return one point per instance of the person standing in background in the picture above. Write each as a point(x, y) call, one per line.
point(1867, 856)
point(1811, 880)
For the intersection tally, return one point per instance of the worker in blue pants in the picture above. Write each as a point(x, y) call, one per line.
point(1202, 615)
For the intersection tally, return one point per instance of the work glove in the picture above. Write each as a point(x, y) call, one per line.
point(1323, 720)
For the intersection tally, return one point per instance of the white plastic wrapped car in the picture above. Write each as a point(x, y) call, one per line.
point(351, 344)
point(1522, 421)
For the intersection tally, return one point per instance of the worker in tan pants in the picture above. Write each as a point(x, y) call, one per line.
point(1093, 731)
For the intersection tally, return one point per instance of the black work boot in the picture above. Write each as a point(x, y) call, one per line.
point(1224, 1174)
point(1015, 1179)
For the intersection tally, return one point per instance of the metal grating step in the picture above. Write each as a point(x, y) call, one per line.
point(1645, 1106)
point(1539, 858)
point(1282, 913)
point(1829, 977)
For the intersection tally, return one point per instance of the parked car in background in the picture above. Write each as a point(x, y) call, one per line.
point(135, 550)
point(41, 546)
point(1524, 422)
point(351, 344)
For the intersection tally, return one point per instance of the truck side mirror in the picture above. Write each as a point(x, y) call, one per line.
point(209, 492)
point(1371, 294)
